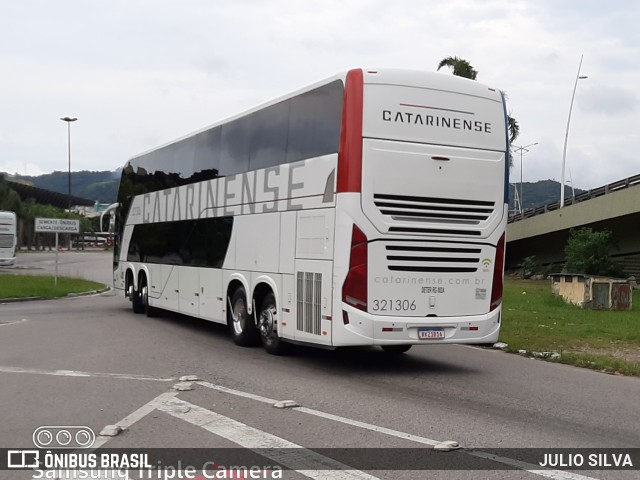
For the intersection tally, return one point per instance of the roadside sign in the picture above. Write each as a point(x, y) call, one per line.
point(57, 225)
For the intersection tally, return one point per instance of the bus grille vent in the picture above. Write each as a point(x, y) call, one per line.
point(6, 241)
point(308, 302)
point(434, 211)
point(433, 258)
point(429, 231)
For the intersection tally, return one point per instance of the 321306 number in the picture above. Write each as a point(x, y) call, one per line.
point(394, 305)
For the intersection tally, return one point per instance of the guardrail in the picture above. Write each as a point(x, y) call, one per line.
point(583, 197)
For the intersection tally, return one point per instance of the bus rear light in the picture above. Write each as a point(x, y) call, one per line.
point(498, 266)
point(354, 290)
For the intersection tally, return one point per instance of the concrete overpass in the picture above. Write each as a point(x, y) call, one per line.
point(544, 231)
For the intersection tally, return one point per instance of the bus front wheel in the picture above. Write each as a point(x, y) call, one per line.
point(242, 327)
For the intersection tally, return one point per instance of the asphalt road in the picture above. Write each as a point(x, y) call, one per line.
point(91, 361)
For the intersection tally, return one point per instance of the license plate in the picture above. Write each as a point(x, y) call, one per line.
point(430, 333)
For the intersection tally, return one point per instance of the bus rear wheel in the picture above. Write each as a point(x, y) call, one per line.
point(242, 327)
point(137, 300)
point(268, 326)
point(396, 349)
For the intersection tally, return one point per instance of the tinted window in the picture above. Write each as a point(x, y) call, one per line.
point(268, 137)
point(234, 148)
point(196, 243)
point(206, 160)
point(314, 122)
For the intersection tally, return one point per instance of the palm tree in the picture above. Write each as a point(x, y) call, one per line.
point(514, 128)
point(462, 68)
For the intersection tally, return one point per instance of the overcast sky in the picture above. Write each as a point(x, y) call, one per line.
point(139, 73)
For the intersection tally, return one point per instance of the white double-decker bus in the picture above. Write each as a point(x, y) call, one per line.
point(8, 238)
point(368, 209)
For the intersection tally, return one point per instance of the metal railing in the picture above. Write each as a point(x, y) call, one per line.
point(583, 197)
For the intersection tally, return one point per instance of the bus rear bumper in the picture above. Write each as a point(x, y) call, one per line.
point(365, 329)
point(7, 262)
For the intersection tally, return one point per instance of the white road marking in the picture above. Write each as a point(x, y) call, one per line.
point(328, 416)
point(13, 322)
point(125, 423)
point(245, 436)
point(369, 426)
point(531, 468)
point(253, 438)
point(237, 393)
point(288, 453)
point(75, 373)
point(137, 415)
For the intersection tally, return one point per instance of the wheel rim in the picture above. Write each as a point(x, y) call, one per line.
point(239, 316)
point(145, 296)
point(268, 322)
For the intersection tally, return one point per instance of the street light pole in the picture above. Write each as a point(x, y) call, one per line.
point(522, 150)
point(68, 120)
point(566, 135)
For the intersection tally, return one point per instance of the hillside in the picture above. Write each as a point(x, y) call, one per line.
point(539, 193)
point(98, 186)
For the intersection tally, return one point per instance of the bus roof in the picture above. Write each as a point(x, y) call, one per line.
point(417, 78)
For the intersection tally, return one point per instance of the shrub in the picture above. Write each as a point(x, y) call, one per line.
point(529, 267)
point(587, 252)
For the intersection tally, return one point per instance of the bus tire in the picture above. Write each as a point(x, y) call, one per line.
point(395, 349)
point(137, 302)
point(144, 293)
point(268, 326)
point(241, 325)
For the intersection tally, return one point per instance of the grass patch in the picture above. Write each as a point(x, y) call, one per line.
point(537, 321)
point(25, 286)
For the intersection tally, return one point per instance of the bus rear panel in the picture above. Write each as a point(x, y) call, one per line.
point(426, 231)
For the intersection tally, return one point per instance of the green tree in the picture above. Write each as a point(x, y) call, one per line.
point(9, 198)
point(588, 252)
point(462, 68)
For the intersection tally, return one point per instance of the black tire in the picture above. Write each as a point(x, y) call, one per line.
point(137, 302)
point(396, 349)
point(149, 310)
point(241, 325)
point(268, 326)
